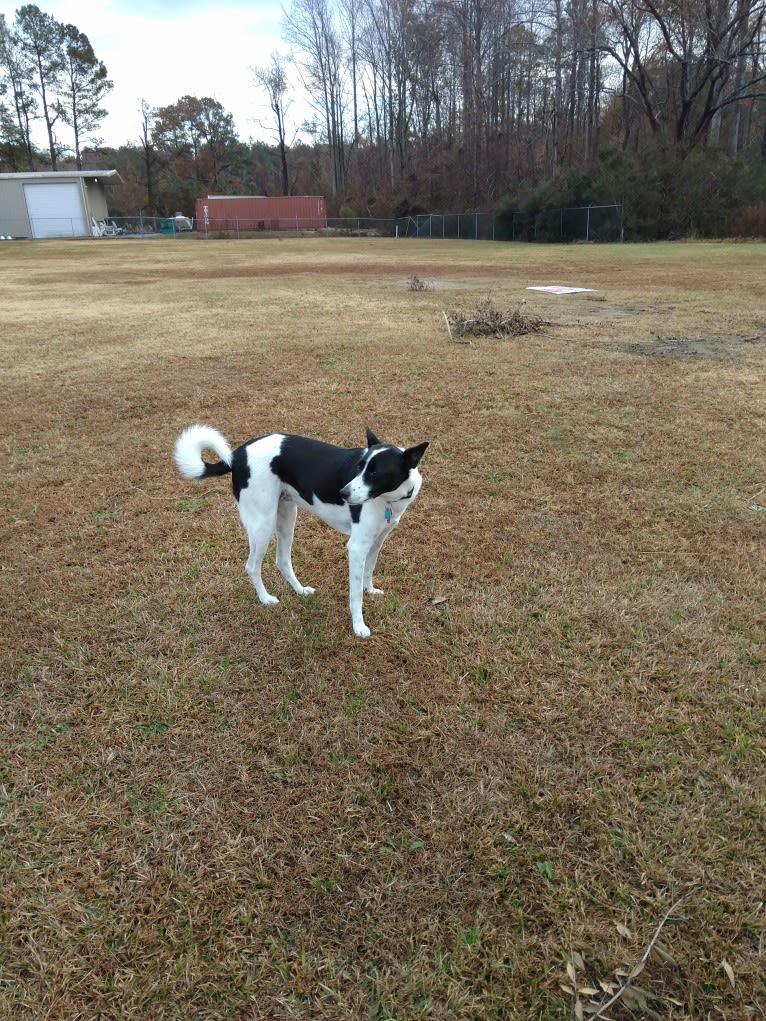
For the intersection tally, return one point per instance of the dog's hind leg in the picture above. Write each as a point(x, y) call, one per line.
point(259, 536)
point(286, 515)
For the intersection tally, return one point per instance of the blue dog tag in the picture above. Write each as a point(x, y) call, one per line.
point(387, 513)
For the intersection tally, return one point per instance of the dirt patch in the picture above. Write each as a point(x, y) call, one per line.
point(603, 307)
point(713, 348)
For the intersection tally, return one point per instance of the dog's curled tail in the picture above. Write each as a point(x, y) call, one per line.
point(188, 452)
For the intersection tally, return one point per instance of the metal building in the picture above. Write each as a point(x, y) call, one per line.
point(65, 204)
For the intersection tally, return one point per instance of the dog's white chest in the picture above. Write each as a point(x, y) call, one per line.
point(336, 515)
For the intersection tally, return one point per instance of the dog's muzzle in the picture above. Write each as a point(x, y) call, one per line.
point(354, 496)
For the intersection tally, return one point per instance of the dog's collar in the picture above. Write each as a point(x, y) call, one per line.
point(407, 496)
point(388, 513)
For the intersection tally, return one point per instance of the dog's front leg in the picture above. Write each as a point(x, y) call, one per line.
point(357, 557)
point(370, 562)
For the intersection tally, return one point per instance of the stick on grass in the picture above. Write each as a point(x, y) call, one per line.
point(639, 966)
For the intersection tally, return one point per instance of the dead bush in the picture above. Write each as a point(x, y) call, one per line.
point(414, 283)
point(487, 321)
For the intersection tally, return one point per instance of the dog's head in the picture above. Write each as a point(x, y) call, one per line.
point(385, 470)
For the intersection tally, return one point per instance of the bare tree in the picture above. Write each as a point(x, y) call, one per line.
point(148, 151)
point(681, 60)
point(351, 13)
point(311, 25)
point(273, 78)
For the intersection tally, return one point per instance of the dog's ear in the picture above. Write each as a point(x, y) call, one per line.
point(413, 454)
point(372, 439)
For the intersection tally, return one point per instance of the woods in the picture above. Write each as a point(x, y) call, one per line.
point(48, 73)
point(444, 105)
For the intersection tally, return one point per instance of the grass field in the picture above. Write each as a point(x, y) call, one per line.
point(539, 785)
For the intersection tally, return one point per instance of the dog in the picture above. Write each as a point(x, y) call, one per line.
point(362, 492)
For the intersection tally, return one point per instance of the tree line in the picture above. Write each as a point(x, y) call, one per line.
point(48, 73)
point(447, 105)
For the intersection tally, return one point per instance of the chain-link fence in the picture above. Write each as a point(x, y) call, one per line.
point(452, 226)
point(140, 226)
point(572, 223)
point(242, 227)
point(580, 223)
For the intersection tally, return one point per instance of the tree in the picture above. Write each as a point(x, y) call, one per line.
point(49, 72)
point(40, 38)
point(218, 135)
point(392, 73)
point(18, 105)
point(194, 135)
point(684, 62)
point(311, 25)
point(84, 85)
point(273, 78)
point(149, 152)
point(351, 14)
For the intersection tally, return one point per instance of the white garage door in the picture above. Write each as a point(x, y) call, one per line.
point(55, 210)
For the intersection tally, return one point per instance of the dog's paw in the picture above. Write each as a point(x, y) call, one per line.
point(307, 590)
point(361, 630)
point(372, 591)
point(269, 600)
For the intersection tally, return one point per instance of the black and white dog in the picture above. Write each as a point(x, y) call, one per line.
point(362, 492)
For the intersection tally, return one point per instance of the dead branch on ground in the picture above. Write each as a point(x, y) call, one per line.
point(487, 321)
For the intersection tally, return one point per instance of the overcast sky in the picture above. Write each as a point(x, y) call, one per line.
point(161, 50)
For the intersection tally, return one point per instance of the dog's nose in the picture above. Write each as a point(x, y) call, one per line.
point(345, 492)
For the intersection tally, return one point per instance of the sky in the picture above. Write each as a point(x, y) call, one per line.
point(161, 50)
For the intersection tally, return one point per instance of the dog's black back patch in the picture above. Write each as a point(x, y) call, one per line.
point(314, 468)
point(240, 471)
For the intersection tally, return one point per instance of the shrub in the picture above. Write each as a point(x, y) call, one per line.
point(749, 222)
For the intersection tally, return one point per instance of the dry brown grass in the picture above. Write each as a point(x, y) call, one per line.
point(214, 810)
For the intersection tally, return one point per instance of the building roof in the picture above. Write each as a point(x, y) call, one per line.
point(112, 176)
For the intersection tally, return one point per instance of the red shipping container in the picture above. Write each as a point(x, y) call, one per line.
point(261, 212)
